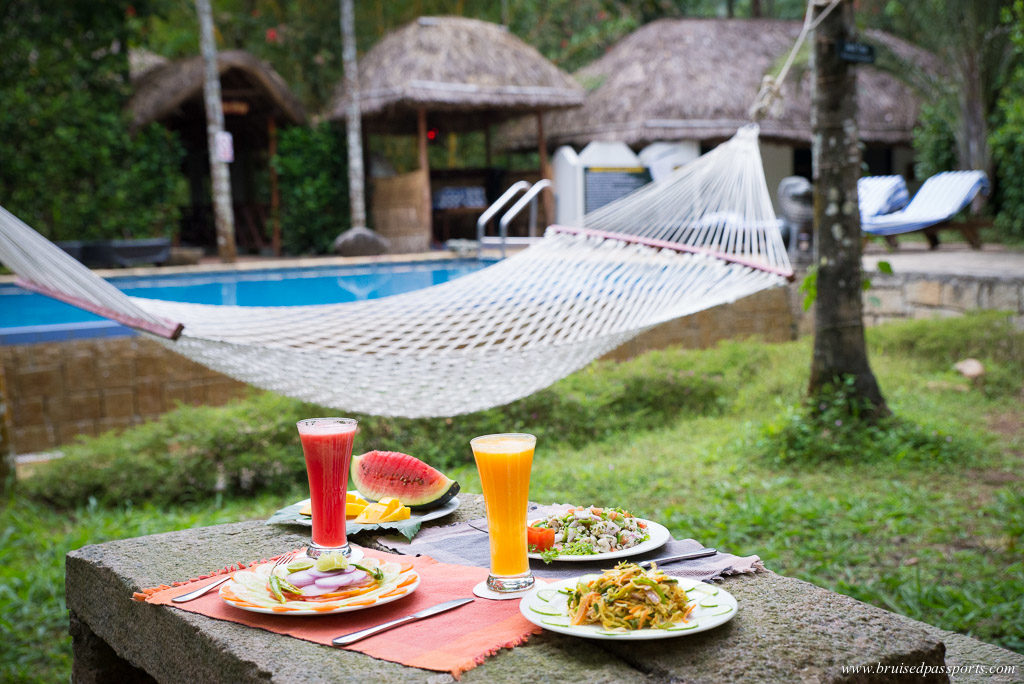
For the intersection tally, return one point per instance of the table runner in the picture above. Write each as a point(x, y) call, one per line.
point(455, 641)
point(467, 543)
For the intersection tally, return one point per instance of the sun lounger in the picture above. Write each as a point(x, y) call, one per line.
point(942, 197)
point(879, 195)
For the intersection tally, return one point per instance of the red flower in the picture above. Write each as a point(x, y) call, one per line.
point(272, 36)
point(129, 11)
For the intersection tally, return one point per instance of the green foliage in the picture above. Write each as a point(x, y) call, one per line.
point(934, 140)
point(312, 164)
point(837, 425)
point(70, 168)
point(206, 453)
point(1007, 141)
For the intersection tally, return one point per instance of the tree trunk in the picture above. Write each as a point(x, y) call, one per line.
point(839, 346)
point(220, 179)
point(353, 120)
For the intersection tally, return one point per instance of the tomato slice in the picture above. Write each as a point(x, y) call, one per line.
point(540, 538)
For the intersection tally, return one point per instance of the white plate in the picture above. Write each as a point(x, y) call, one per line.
point(231, 586)
point(352, 526)
point(715, 606)
point(658, 535)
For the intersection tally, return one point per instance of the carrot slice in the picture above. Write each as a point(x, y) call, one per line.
point(406, 582)
point(362, 603)
point(406, 567)
point(394, 592)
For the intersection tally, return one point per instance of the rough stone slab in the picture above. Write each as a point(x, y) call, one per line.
point(789, 630)
point(786, 630)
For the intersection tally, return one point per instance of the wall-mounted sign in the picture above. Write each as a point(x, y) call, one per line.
point(602, 185)
point(856, 52)
point(224, 147)
point(235, 107)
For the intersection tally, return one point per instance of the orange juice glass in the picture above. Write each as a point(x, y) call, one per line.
point(504, 463)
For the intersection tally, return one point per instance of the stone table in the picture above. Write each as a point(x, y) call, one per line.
point(786, 629)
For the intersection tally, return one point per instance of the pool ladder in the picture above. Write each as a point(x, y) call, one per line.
point(502, 240)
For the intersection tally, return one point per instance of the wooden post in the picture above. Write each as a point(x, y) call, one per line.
point(275, 190)
point(421, 126)
point(547, 197)
point(219, 176)
point(840, 349)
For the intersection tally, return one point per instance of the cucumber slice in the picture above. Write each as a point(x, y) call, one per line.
point(545, 612)
point(705, 604)
point(555, 623)
point(725, 610)
point(546, 594)
point(683, 628)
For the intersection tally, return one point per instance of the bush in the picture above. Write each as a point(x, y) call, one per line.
point(1008, 153)
point(837, 426)
point(201, 453)
point(312, 164)
point(934, 141)
point(70, 168)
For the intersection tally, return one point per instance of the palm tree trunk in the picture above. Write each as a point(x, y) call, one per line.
point(219, 176)
point(839, 346)
point(353, 122)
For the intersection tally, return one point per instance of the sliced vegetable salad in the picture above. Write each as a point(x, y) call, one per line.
point(329, 584)
point(627, 597)
point(585, 531)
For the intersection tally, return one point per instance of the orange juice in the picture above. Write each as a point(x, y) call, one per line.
point(504, 463)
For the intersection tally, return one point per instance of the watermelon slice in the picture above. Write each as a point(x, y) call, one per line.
point(379, 474)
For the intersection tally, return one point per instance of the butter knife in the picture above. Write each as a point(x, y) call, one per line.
point(346, 639)
point(680, 557)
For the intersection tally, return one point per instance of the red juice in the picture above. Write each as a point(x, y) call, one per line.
point(327, 446)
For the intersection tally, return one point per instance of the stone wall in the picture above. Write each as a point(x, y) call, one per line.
point(83, 387)
point(902, 296)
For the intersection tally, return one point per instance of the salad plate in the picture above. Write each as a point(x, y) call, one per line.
point(657, 533)
point(247, 590)
point(547, 608)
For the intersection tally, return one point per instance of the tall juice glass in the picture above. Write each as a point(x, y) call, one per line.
point(504, 463)
point(327, 446)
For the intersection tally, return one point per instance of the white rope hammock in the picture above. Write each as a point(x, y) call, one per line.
point(703, 237)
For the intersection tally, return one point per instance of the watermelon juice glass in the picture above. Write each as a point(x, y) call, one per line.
point(327, 446)
point(504, 463)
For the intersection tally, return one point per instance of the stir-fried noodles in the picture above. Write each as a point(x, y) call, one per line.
point(628, 597)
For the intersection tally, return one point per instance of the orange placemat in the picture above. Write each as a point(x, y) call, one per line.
point(453, 642)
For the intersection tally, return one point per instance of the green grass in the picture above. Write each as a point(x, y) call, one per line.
point(925, 518)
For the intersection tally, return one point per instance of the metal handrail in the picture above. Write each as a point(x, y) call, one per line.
point(529, 198)
point(496, 206)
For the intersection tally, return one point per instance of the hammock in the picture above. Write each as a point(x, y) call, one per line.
point(705, 236)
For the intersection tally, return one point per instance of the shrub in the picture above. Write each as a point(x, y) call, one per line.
point(837, 426)
point(934, 141)
point(199, 453)
point(313, 168)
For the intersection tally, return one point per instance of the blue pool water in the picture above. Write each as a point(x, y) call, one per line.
point(26, 317)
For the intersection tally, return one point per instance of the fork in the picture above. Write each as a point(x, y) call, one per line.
point(202, 591)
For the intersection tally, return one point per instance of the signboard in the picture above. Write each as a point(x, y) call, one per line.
point(602, 185)
point(856, 52)
point(225, 149)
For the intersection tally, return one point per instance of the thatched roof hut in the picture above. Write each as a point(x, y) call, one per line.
point(452, 75)
point(469, 73)
point(162, 91)
point(695, 79)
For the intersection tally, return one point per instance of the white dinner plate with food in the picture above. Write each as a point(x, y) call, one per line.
point(657, 535)
point(248, 590)
point(548, 608)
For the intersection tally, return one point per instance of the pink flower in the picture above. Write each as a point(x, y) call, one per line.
point(272, 36)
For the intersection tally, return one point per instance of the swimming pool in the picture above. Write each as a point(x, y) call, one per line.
point(26, 317)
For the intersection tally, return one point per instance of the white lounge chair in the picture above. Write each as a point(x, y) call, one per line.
point(942, 197)
point(879, 195)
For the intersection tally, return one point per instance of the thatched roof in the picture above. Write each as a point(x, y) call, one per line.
point(161, 91)
point(695, 79)
point(473, 71)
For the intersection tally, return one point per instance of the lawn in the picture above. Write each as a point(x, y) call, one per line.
point(925, 518)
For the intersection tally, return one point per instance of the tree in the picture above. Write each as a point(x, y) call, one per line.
point(974, 44)
point(68, 166)
point(840, 350)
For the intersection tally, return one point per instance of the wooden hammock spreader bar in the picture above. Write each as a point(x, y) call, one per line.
point(165, 328)
point(665, 244)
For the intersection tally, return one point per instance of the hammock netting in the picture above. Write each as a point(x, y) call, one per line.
point(705, 236)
